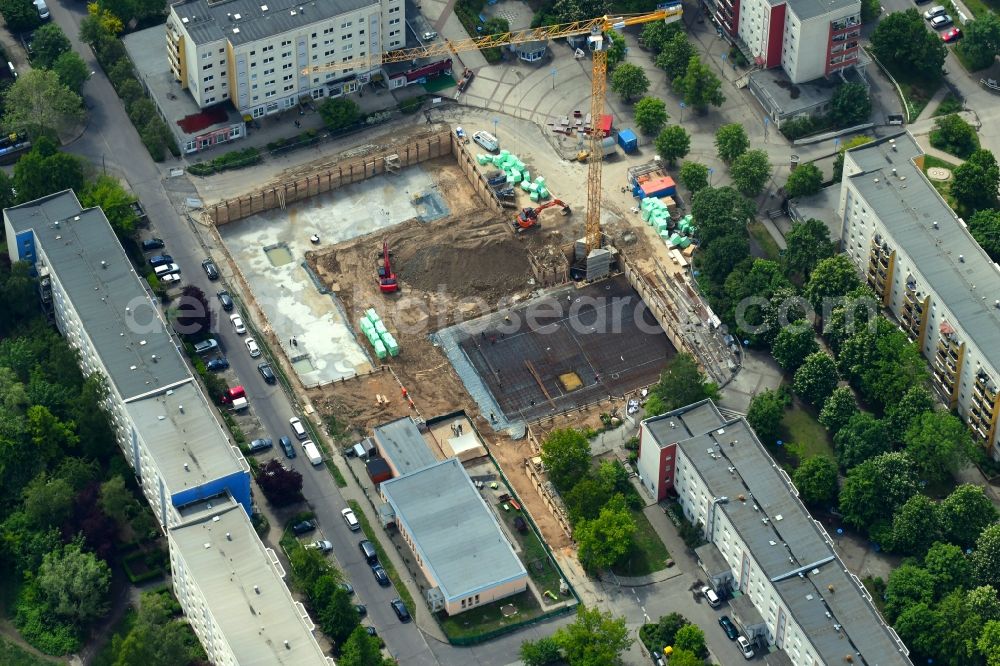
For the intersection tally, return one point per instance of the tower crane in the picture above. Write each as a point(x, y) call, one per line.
point(594, 29)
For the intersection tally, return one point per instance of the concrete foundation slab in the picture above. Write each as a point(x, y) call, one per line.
point(270, 249)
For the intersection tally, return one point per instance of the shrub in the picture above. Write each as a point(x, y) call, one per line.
point(235, 159)
point(411, 105)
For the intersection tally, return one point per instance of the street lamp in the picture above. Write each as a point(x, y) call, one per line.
point(553, 72)
point(710, 172)
point(496, 121)
point(683, 106)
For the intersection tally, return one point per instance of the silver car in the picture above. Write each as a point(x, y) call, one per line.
point(936, 10)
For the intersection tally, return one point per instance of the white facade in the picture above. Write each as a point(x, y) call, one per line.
point(815, 45)
point(258, 55)
point(930, 273)
point(755, 26)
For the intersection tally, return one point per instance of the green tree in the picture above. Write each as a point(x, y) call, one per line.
point(117, 501)
point(720, 211)
point(605, 540)
point(682, 383)
point(952, 134)
point(816, 379)
point(985, 228)
point(566, 456)
point(19, 15)
point(915, 526)
point(74, 585)
point(831, 279)
point(48, 502)
point(900, 414)
point(902, 43)
point(335, 613)
point(496, 25)
point(72, 71)
point(862, 438)
point(981, 40)
point(720, 258)
point(650, 115)
point(44, 170)
point(805, 181)
point(870, 10)
point(155, 639)
point(816, 479)
point(985, 602)
point(109, 194)
point(339, 112)
point(850, 105)
point(920, 626)
point(974, 185)
point(988, 643)
point(655, 35)
point(882, 362)
point(793, 344)
point(585, 500)
point(52, 438)
point(594, 638)
point(764, 415)
point(876, 489)
point(690, 637)
point(731, 141)
point(949, 566)
point(38, 103)
point(967, 511)
point(616, 48)
point(629, 81)
point(541, 652)
point(673, 143)
point(939, 443)
point(675, 56)
point(986, 557)
point(700, 86)
point(838, 409)
point(694, 176)
point(685, 658)
point(761, 301)
point(48, 43)
point(750, 172)
point(908, 584)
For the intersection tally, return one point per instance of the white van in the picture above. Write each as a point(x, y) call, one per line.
point(487, 141)
point(297, 428)
point(712, 598)
point(166, 268)
point(42, 9)
point(239, 404)
point(312, 452)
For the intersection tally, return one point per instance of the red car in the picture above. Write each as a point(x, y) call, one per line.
point(952, 35)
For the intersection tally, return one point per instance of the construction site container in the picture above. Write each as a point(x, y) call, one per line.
point(365, 325)
point(628, 140)
point(525, 185)
point(663, 186)
point(542, 193)
point(607, 146)
point(380, 328)
point(373, 337)
point(379, 349)
point(534, 196)
point(482, 159)
point(372, 315)
point(605, 124)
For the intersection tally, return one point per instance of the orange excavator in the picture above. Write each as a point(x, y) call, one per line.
point(528, 217)
point(387, 283)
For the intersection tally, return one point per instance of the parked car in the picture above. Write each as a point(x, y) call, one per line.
point(939, 22)
point(953, 35)
point(428, 36)
point(152, 244)
point(210, 269)
point(160, 259)
point(351, 519)
point(713, 599)
point(205, 346)
point(304, 527)
point(936, 10)
point(322, 546)
point(42, 9)
point(361, 609)
point(728, 627)
point(169, 278)
point(347, 587)
point(400, 608)
point(745, 647)
point(163, 269)
point(370, 630)
point(252, 347)
point(267, 372)
point(238, 324)
point(286, 445)
point(258, 445)
point(226, 300)
point(217, 364)
point(380, 575)
point(369, 552)
point(298, 428)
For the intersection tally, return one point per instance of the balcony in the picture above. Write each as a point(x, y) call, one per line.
point(845, 24)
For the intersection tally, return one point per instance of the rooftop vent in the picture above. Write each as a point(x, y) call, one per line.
point(256, 588)
point(184, 20)
point(237, 17)
point(104, 264)
point(131, 367)
point(207, 545)
point(779, 517)
point(673, 425)
point(876, 180)
point(236, 31)
point(263, 8)
point(215, 519)
point(288, 645)
point(936, 226)
point(292, 13)
point(142, 343)
point(961, 258)
point(720, 431)
point(180, 408)
point(229, 536)
point(76, 218)
point(56, 224)
point(186, 468)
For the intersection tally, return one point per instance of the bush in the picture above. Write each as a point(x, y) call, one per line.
point(411, 105)
point(38, 626)
point(234, 159)
point(796, 128)
point(954, 135)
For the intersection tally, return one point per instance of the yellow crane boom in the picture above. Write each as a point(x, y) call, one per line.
point(599, 45)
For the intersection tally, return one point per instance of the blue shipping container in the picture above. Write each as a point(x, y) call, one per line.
point(628, 140)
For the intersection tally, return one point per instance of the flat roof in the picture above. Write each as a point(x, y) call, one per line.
point(790, 99)
point(119, 315)
point(694, 419)
point(181, 433)
point(808, 9)
point(788, 546)
point(208, 22)
point(241, 584)
point(403, 446)
point(908, 206)
point(454, 532)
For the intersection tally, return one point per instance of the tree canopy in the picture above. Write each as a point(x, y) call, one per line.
point(981, 40)
point(850, 105)
point(566, 456)
point(750, 172)
point(804, 181)
point(984, 227)
point(673, 143)
point(605, 540)
point(831, 279)
point(339, 112)
point(816, 479)
point(974, 185)
point(939, 443)
point(594, 638)
point(816, 378)
point(629, 81)
point(681, 384)
point(675, 56)
point(694, 176)
point(765, 413)
point(863, 437)
point(876, 489)
point(793, 344)
point(699, 86)
point(731, 141)
point(650, 115)
point(720, 211)
point(838, 409)
point(903, 44)
point(38, 103)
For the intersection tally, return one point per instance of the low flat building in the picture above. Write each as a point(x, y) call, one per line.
point(402, 445)
point(781, 560)
point(455, 537)
point(232, 591)
point(930, 273)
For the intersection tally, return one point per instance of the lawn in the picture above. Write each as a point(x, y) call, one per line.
point(803, 437)
point(942, 186)
point(390, 568)
point(915, 97)
point(13, 655)
point(533, 556)
point(648, 552)
point(950, 104)
point(764, 241)
point(978, 7)
point(488, 618)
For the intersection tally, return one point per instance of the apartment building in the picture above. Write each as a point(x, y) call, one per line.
point(232, 591)
point(163, 422)
point(808, 39)
point(257, 54)
point(789, 586)
point(930, 273)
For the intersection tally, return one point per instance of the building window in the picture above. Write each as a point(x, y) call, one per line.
point(208, 66)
